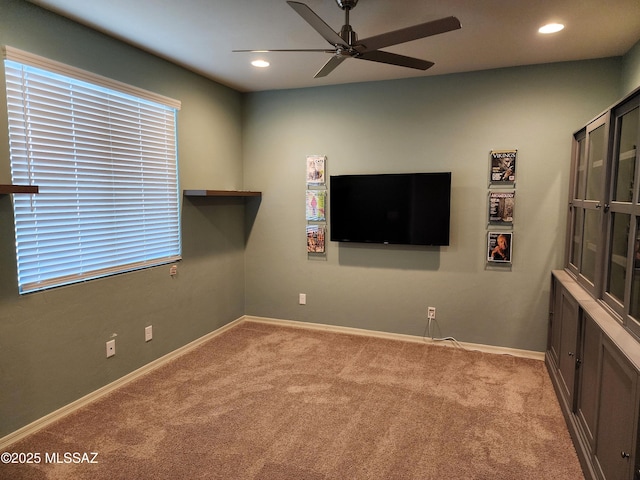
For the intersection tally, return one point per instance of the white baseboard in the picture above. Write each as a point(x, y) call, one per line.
point(95, 395)
point(399, 336)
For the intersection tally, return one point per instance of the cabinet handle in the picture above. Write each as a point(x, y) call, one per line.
point(571, 354)
point(624, 454)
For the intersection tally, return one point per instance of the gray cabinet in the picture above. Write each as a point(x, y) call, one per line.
point(603, 221)
point(587, 388)
point(555, 321)
point(594, 365)
point(617, 415)
point(593, 351)
point(568, 346)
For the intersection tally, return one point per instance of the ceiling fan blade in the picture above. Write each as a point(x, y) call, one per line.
point(317, 23)
point(329, 66)
point(323, 50)
point(408, 34)
point(395, 59)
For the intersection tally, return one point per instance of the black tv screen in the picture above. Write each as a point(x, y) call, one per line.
point(395, 208)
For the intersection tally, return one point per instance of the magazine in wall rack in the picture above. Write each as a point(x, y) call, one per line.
point(316, 202)
point(315, 238)
point(316, 169)
point(501, 207)
point(503, 167)
point(499, 247)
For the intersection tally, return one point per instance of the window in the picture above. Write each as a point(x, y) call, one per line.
point(104, 157)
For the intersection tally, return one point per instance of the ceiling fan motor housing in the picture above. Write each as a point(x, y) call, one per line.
point(347, 4)
point(348, 35)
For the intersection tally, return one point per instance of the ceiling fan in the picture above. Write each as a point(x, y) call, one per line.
point(346, 43)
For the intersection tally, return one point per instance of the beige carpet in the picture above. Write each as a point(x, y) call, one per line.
point(269, 402)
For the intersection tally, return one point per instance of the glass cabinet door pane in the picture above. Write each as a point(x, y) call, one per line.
point(626, 161)
point(618, 259)
point(635, 284)
point(595, 164)
point(590, 244)
point(576, 231)
point(581, 173)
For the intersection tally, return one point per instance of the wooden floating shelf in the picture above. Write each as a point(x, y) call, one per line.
point(7, 189)
point(221, 193)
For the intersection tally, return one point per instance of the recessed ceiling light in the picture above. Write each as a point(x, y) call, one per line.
point(551, 28)
point(260, 63)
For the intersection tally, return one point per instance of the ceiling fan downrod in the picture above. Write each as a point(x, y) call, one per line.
point(347, 33)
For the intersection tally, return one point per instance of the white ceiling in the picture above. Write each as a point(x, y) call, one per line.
point(201, 34)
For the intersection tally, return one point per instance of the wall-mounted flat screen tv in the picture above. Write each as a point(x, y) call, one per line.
point(394, 208)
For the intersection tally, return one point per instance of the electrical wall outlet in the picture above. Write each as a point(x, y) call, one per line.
point(302, 299)
point(148, 333)
point(111, 348)
point(431, 313)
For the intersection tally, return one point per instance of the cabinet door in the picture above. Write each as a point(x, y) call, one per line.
point(621, 277)
point(617, 412)
point(555, 317)
point(568, 345)
point(587, 388)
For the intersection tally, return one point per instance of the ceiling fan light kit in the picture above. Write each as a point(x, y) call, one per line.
point(346, 44)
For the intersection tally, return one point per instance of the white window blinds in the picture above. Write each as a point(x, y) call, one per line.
point(104, 157)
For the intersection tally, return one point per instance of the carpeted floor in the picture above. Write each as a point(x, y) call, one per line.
point(268, 402)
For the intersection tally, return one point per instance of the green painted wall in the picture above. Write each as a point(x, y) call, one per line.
point(52, 344)
point(631, 70)
point(443, 123)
